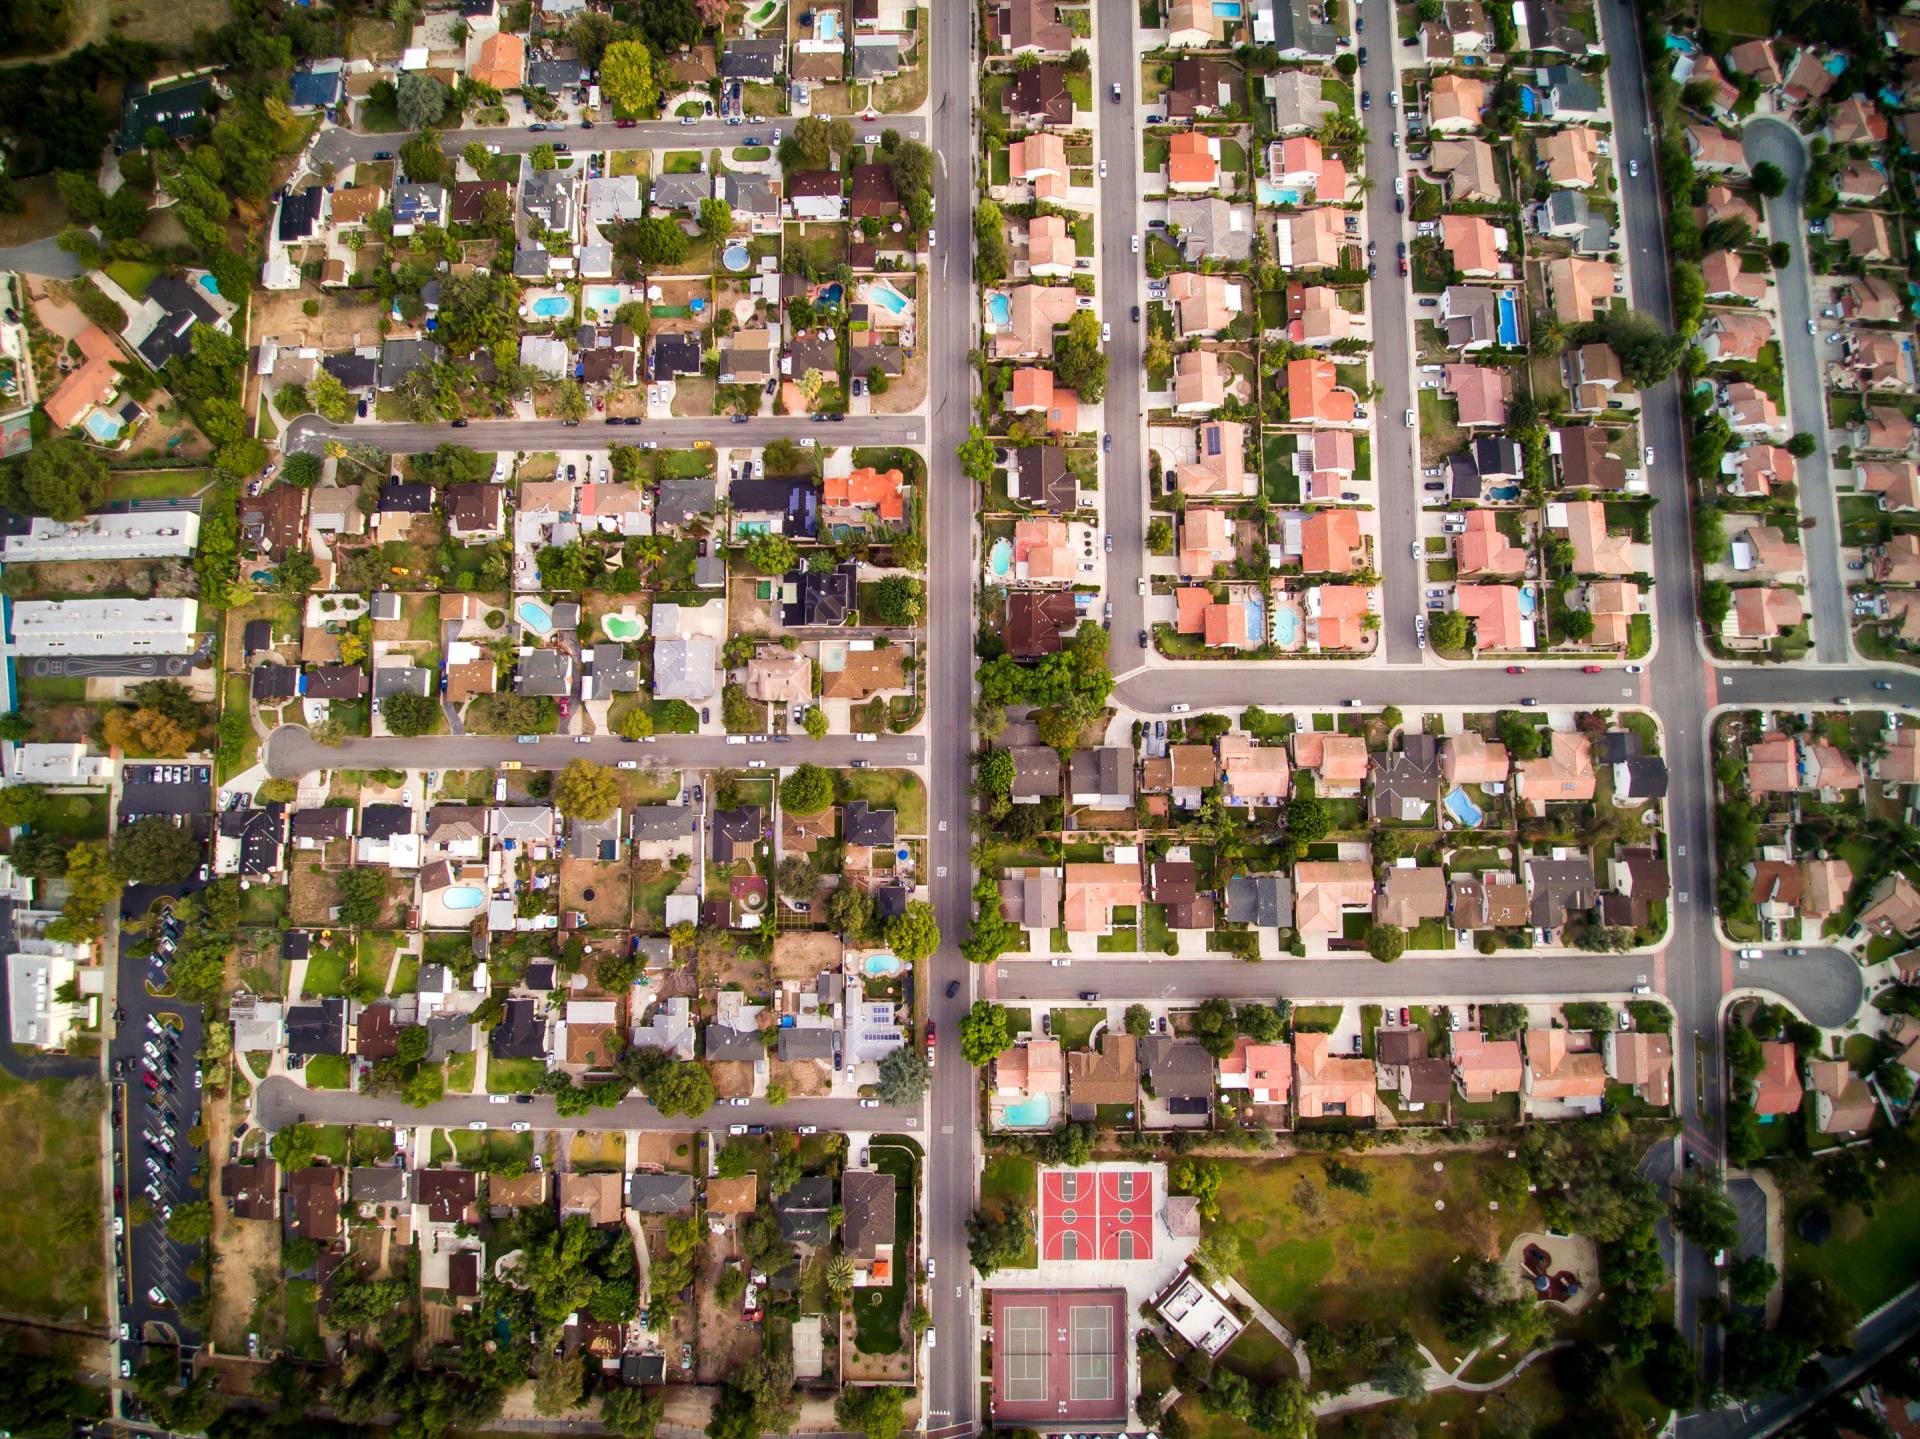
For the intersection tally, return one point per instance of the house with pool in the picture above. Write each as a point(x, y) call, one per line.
point(1029, 1086)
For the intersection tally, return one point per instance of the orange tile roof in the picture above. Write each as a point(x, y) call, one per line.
point(868, 489)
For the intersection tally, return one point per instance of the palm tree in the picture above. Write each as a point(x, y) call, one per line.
point(839, 1277)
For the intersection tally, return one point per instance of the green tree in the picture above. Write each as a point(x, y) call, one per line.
point(877, 1410)
point(1079, 361)
point(191, 1222)
point(815, 722)
point(155, 851)
point(1386, 942)
point(1751, 1279)
point(1769, 179)
point(329, 397)
point(915, 935)
point(427, 1086)
point(419, 100)
point(1138, 1022)
point(716, 219)
point(586, 791)
point(1448, 630)
point(636, 723)
point(995, 1241)
point(1308, 819)
point(808, 790)
point(569, 400)
point(1704, 1214)
point(408, 714)
point(361, 893)
point(903, 1077)
point(899, 600)
point(411, 1044)
point(771, 554)
point(983, 1033)
point(627, 78)
point(975, 454)
point(62, 479)
point(631, 1413)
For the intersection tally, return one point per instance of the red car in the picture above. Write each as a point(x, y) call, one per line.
point(624, 124)
point(1516, 669)
point(1589, 669)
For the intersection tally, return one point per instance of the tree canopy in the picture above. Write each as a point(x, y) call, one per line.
point(586, 791)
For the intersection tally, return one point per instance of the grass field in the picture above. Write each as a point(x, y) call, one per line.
point(327, 1071)
point(894, 789)
point(155, 484)
point(1871, 1260)
point(1384, 1256)
point(1738, 17)
point(50, 1224)
point(1074, 1027)
point(513, 1076)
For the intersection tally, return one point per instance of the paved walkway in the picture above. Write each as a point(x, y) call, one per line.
point(1365, 1396)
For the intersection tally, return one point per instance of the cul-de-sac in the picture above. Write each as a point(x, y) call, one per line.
point(1184, 719)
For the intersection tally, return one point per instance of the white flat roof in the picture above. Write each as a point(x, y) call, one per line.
point(103, 627)
point(144, 534)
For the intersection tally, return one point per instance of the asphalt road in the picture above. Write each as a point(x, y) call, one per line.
point(1775, 141)
point(1123, 482)
point(292, 751)
point(1396, 480)
point(281, 1102)
point(310, 433)
point(338, 147)
point(40, 257)
point(952, 1373)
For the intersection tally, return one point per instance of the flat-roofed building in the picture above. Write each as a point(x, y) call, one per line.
point(103, 627)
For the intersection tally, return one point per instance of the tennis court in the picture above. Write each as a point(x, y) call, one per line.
point(1057, 1354)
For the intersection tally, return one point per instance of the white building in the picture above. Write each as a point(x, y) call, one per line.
point(104, 627)
point(1198, 1315)
point(36, 972)
point(143, 535)
point(57, 764)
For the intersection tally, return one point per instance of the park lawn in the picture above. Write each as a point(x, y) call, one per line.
point(1011, 1181)
point(50, 1224)
point(1074, 1027)
point(896, 789)
point(1259, 1354)
point(513, 1076)
point(327, 1071)
point(1870, 1260)
point(1738, 17)
point(1383, 1256)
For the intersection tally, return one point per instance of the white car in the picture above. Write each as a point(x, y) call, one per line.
point(930, 239)
point(808, 1129)
point(520, 1126)
point(739, 1103)
point(873, 140)
point(736, 1129)
point(1649, 454)
point(869, 1104)
point(476, 1124)
point(1178, 709)
point(1060, 963)
point(929, 1266)
point(1409, 419)
point(1750, 952)
point(628, 764)
point(1103, 169)
point(499, 1099)
point(1136, 244)
point(806, 442)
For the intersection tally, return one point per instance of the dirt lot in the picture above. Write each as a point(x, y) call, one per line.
point(693, 395)
point(732, 1078)
point(720, 967)
point(140, 578)
point(248, 1268)
point(908, 392)
point(725, 1341)
point(749, 614)
point(313, 892)
point(600, 890)
point(662, 1150)
point(341, 324)
point(597, 1149)
point(801, 1078)
point(801, 956)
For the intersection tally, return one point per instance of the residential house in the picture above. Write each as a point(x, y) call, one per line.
point(1330, 1086)
point(1559, 1072)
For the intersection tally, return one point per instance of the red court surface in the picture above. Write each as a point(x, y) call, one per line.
point(1059, 1356)
point(1096, 1214)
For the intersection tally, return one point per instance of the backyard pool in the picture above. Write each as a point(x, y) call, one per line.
point(1680, 43)
point(104, 426)
point(881, 964)
point(826, 25)
point(888, 298)
point(1000, 558)
point(1276, 195)
point(463, 896)
point(1227, 9)
point(535, 616)
point(1286, 626)
point(1463, 809)
point(622, 627)
point(1032, 1113)
point(735, 258)
point(1256, 619)
point(550, 307)
point(601, 297)
point(1509, 328)
point(998, 309)
point(1504, 494)
point(209, 284)
point(1526, 604)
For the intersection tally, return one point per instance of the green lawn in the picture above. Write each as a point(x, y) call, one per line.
point(1074, 1027)
point(1011, 1181)
point(460, 1072)
point(1729, 18)
point(303, 1319)
point(327, 1071)
point(326, 972)
point(896, 789)
point(1871, 1260)
point(74, 816)
point(50, 1224)
point(1384, 1256)
point(155, 484)
point(133, 276)
point(513, 1076)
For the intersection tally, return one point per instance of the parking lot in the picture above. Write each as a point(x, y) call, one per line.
point(184, 790)
point(156, 1102)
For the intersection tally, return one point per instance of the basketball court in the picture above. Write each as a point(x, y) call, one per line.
point(1058, 1355)
point(1096, 1214)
